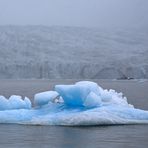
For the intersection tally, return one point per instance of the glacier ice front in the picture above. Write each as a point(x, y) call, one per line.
point(83, 103)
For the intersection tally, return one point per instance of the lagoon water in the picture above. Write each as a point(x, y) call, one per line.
point(25, 136)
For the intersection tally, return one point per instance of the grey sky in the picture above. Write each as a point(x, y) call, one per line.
point(88, 13)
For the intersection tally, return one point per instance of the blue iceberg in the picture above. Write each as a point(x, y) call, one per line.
point(82, 104)
point(14, 102)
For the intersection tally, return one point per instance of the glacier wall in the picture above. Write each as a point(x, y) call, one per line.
point(40, 52)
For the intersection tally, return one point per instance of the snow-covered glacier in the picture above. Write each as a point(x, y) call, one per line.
point(38, 52)
point(84, 103)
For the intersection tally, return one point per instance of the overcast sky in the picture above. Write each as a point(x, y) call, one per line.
point(87, 13)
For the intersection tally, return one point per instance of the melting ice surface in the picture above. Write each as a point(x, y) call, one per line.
point(84, 103)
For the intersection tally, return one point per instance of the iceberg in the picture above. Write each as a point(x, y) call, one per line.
point(14, 102)
point(43, 98)
point(84, 103)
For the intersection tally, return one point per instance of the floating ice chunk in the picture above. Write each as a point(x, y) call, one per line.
point(112, 97)
point(3, 103)
point(92, 100)
point(14, 102)
point(106, 96)
point(43, 98)
point(28, 103)
point(73, 95)
point(94, 87)
point(84, 103)
point(76, 95)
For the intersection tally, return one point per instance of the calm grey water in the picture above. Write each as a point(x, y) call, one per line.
point(16, 136)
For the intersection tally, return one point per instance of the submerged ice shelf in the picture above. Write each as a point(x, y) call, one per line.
point(84, 103)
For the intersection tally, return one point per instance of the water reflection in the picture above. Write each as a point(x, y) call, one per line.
point(65, 137)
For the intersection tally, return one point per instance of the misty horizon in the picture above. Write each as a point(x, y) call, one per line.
point(82, 13)
point(100, 39)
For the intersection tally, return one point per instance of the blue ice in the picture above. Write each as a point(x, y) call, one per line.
point(83, 103)
point(14, 102)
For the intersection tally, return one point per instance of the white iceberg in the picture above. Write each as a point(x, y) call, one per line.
point(84, 103)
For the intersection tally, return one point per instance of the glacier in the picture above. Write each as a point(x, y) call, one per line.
point(84, 103)
point(56, 52)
